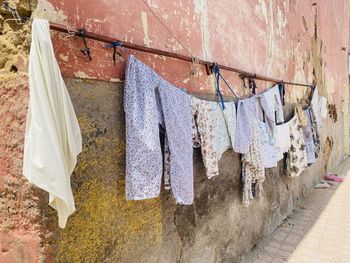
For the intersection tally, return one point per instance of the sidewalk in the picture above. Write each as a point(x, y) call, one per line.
point(318, 231)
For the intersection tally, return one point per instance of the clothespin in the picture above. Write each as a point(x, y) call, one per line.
point(86, 51)
point(114, 45)
point(252, 85)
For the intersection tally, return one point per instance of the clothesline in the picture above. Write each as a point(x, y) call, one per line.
point(106, 39)
point(85, 34)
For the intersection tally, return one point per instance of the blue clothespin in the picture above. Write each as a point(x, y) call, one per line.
point(114, 45)
point(216, 71)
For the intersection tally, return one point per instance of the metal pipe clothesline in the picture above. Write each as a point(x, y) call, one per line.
point(90, 35)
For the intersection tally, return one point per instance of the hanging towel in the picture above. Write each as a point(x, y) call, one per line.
point(150, 101)
point(52, 138)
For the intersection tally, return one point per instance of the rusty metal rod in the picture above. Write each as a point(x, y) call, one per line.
point(62, 28)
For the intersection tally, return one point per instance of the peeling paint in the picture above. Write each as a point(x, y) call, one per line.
point(201, 7)
point(146, 38)
point(83, 75)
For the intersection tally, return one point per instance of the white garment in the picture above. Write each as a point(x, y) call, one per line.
point(282, 139)
point(52, 138)
point(272, 105)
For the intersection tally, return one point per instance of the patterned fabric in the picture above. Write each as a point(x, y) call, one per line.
point(203, 134)
point(308, 139)
point(246, 117)
point(315, 132)
point(222, 138)
point(149, 101)
point(301, 115)
point(225, 127)
point(268, 148)
point(230, 120)
point(296, 157)
point(253, 173)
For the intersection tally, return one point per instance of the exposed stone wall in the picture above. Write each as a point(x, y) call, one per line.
point(22, 221)
point(287, 39)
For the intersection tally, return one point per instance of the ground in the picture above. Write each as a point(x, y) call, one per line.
point(318, 231)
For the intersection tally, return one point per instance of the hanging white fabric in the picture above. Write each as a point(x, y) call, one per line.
point(52, 138)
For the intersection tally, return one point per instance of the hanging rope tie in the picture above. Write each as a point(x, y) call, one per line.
point(114, 45)
point(216, 70)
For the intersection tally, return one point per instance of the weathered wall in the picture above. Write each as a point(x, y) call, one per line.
point(304, 41)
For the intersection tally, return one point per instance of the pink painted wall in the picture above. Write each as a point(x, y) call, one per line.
point(271, 38)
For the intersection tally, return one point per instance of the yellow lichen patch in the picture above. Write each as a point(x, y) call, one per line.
point(105, 223)
point(106, 227)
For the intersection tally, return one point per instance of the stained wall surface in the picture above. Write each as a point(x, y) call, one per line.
point(302, 41)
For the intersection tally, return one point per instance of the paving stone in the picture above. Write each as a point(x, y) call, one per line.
point(317, 232)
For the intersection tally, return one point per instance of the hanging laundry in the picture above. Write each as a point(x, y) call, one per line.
point(268, 146)
point(283, 142)
point(308, 139)
point(272, 106)
point(246, 117)
point(267, 135)
point(296, 157)
point(301, 115)
point(203, 134)
point(225, 126)
point(149, 101)
point(52, 137)
point(253, 172)
point(315, 129)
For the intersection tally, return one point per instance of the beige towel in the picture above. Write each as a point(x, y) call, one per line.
point(53, 138)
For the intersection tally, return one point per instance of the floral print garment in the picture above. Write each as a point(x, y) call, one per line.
point(203, 133)
point(253, 172)
point(308, 139)
point(315, 129)
point(148, 102)
point(296, 157)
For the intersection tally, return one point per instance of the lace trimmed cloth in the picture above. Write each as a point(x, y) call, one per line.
point(150, 101)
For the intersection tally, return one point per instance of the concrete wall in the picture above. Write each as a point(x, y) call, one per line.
point(303, 41)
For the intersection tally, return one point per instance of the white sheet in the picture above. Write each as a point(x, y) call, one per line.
point(52, 138)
